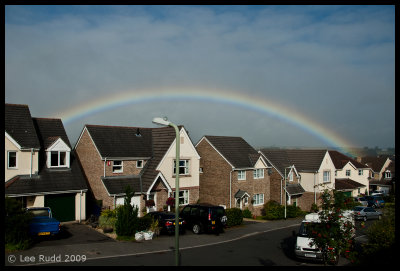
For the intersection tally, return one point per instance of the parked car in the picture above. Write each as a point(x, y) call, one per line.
point(166, 220)
point(375, 201)
point(377, 193)
point(43, 222)
point(204, 218)
point(361, 200)
point(365, 213)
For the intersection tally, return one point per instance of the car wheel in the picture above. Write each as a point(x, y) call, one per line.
point(365, 218)
point(196, 228)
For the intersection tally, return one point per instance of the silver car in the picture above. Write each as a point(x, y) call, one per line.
point(365, 213)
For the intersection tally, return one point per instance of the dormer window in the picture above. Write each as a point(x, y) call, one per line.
point(58, 155)
point(58, 159)
point(388, 175)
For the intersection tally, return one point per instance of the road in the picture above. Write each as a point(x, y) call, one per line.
point(250, 245)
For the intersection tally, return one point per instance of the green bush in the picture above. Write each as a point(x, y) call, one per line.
point(235, 217)
point(127, 223)
point(247, 213)
point(144, 223)
point(16, 225)
point(273, 210)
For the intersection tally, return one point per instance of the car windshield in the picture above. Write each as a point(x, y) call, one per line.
point(358, 208)
point(303, 229)
point(218, 211)
point(41, 212)
point(168, 216)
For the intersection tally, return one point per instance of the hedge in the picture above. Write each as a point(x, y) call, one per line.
point(235, 217)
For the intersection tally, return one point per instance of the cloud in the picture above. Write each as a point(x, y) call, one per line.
point(319, 60)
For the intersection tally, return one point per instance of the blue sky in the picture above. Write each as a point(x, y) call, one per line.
point(334, 64)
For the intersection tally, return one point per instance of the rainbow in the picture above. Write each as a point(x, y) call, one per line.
point(257, 104)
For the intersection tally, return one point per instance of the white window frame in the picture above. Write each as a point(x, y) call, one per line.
point(327, 178)
point(241, 175)
point(388, 174)
point(186, 167)
point(114, 167)
point(8, 160)
point(58, 154)
point(360, 172)
point(141, 162)
point(348, 172)
point(258, 173)
point(184, 197)
point(258, 199)
point(290, 176)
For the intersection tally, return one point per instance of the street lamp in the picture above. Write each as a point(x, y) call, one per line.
point(164, 121)
point(291, 167)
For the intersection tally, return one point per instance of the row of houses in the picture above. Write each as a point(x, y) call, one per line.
point(43, 169)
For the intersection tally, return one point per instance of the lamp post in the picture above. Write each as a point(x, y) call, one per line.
point(285, 187)
point(164, 121)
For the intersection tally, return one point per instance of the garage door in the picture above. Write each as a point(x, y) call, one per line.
point(62, 206)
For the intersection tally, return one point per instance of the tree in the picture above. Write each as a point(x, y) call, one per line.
point(334, 234)
point(127, 216)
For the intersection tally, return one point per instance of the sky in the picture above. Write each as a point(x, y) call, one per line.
point(282, 76)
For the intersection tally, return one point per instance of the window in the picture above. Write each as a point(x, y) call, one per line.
point(291, 176)
point(258, 173)
point(58, 159)
point(327, 176)
point(139, 164)
point(388, 175)
point(360, 172)
point(258, 199)
point(241, 175)
point(12, 159)
point(117, 167)
point(348, 172)
point(183, 197)
point(183, 167)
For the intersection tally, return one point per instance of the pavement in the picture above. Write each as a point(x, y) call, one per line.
point(101, 246)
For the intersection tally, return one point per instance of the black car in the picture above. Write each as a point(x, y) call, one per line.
point(204, 218)
point(166, 221)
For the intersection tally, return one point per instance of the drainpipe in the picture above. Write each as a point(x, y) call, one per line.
point(230, 188)
point(80, 206)
point(114, 202)
point(105, 162)
point(315, 194)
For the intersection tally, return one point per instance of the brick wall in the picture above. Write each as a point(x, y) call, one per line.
point(214, 181)
point(93, 168)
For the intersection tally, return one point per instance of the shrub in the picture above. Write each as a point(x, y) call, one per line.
point(235, 217)
point(144, 223)
point(273, 210)
point(247, 214)
point(127, 216)
point(16, 225)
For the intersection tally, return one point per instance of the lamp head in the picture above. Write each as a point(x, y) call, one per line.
point(161, 121)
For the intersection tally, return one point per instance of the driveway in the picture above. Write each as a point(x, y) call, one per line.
point(73, 233)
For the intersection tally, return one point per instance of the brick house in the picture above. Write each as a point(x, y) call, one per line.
point(312, 171)
point(40, 169)
point(234, 174)
point(115, 157)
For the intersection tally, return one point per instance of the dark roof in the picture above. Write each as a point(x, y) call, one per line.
point(49, 181)
point(162, 139)
point(236, 150)
point(303, 160)
point(117, 141)
point(375, 163)
point(49, 131)
point(240, 193)
point(347, 184)
point(117, 185)
point(295, 189)
point(340, 160)
point(19, 125)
